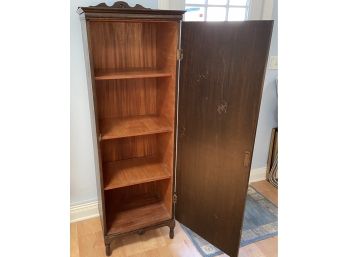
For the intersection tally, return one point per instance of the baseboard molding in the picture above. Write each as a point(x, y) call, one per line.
point(90, 210)
point(84, 211)
point(257, 174)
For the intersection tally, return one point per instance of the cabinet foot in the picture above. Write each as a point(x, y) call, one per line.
point(171, 233)
point(171, 229)
point(107, 249)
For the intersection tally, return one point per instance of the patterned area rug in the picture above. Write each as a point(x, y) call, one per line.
point(260, 222)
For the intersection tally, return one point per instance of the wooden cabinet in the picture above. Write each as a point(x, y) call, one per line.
point(175, 106)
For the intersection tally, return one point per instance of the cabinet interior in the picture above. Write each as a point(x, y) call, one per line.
point(135, 86)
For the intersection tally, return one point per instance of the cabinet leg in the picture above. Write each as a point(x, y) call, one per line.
point(171, 233)
point(171, 229)
point(107, 249)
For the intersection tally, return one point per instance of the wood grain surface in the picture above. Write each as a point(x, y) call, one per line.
point(220, 93)
point(137, 206)
point(130, 74)
point(133, 126)
point(131, 172)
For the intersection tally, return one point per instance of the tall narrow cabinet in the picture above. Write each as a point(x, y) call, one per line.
point(174, 109)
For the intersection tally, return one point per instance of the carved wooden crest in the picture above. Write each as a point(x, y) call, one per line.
point(121, 5)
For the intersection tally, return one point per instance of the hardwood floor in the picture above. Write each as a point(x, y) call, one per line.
point(266, 189)
point(86, 239)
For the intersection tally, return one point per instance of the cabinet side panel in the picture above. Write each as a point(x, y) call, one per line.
point(167, 44)
point(94, 119)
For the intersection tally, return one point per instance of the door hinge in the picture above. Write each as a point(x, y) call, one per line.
point(247, 159)
point(99, 137)
point(179, 54)
point(175, 198)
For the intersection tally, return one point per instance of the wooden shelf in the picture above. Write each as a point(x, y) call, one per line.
point(134, 126)
point(133, 171)
point(130, 74)
point(137, 213)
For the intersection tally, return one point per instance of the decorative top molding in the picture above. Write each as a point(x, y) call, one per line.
point(121, 4)
point(121, 10)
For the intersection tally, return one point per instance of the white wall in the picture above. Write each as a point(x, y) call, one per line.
point(82, 178)
point(268, 117)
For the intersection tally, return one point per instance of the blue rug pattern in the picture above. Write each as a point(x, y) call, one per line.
point(260, 222)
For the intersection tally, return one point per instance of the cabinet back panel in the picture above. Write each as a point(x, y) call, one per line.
point(124, 98)
point(123, 45)
point(127, 148)
point(124, 195)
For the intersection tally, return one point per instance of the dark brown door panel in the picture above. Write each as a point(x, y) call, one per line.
point(221, 81)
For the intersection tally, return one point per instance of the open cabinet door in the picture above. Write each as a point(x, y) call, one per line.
point(221, 80)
